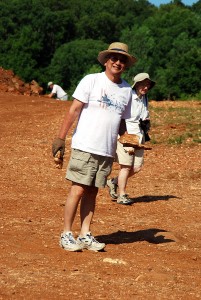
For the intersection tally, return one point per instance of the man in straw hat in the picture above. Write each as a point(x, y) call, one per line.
point(100, 102)
point(137, 125)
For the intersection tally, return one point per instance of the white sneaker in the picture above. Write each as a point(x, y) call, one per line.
point(124, 199)
point(68, 242)
point(90, 243)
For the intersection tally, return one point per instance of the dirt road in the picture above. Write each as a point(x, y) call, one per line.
point(153, 247)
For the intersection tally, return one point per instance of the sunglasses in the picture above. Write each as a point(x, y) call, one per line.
point(115, 58)
point(145, 84)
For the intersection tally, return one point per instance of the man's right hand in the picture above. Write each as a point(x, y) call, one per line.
point(58, 145)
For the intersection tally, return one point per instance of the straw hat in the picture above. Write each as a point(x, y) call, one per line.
point(119, 48)
point(142, 76)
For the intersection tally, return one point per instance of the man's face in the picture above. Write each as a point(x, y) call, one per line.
point(116, 64)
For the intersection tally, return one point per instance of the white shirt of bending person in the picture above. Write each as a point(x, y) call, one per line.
point(60, 93)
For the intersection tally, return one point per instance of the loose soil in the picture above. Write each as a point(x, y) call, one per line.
point(153, 248)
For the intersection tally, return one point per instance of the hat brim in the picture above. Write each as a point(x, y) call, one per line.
point(151, 81)
point(102, 57)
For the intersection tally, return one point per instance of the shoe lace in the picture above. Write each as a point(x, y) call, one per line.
point(92, 238)
point(125, 196)
point(70, 238)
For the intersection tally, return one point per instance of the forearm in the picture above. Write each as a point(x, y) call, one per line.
point(50, 95)
point(70, 117)
point(66, 125)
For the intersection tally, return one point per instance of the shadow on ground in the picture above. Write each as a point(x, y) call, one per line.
point(148, 235)
point(151, 198)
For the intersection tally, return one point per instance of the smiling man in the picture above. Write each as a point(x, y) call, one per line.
point(100, 102)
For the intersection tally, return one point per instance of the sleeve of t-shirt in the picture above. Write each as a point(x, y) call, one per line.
point(145, 111)
point(54, 90)
point(83, 89)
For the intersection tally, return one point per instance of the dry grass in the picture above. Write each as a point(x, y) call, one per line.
point(175, 122)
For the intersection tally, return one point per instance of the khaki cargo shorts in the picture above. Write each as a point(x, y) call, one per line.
point(88, 169)
point(123, 158)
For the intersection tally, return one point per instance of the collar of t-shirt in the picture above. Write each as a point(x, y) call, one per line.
point(135, 96)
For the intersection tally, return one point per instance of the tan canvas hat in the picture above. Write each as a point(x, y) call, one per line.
point(50, 83)
point(119, 48)
point(142, 76)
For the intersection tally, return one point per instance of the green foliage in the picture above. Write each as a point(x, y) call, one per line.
point(176, 140)
point(141, 45)
point(72, 60)
point(60, 40)
point(196, 7)
point(177, 53)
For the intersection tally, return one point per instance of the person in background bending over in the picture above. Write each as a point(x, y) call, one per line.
point(138, 124)
point(56, 91)
point(101, 100)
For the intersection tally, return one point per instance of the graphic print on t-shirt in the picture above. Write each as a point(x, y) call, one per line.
point(113, 105)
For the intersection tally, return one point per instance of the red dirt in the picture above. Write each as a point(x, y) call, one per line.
point(9, 82)
point(153, 247)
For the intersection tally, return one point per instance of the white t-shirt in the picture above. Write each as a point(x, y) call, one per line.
point(139, 110)
point(105, 104)
point(58, 91)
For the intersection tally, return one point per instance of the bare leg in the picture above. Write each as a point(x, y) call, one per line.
point(123, 178)
point(87, 208)
point(76, 193)
point(131, 173)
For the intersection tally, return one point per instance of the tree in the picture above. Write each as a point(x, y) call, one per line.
point(72, 60)
point(60, 40)
point(141, 45)
point(167, 46)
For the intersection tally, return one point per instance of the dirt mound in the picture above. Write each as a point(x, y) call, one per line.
point(9, 82)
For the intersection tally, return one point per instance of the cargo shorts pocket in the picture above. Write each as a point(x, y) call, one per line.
point(79, 161)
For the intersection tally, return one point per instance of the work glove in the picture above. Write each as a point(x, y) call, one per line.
point(58, 149)
point(58, 145)
point(129, 150)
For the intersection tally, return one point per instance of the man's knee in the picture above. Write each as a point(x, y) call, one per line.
point(77, 189)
